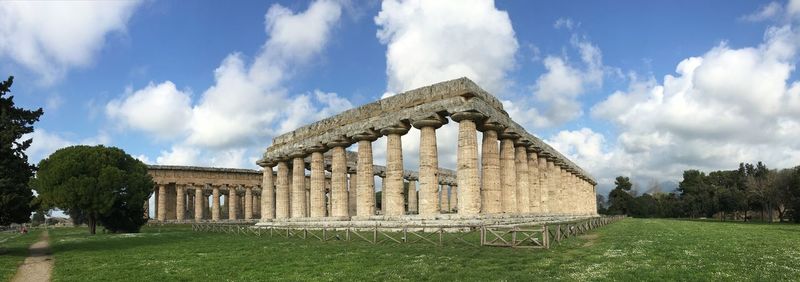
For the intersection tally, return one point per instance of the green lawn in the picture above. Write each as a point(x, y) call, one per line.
point(14, 250)
point(632, 249)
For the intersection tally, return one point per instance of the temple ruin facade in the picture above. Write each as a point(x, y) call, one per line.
point(513, 177)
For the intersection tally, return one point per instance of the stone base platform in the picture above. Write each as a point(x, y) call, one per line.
point(450, 222)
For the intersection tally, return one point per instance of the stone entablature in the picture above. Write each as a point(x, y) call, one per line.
point(165, 174)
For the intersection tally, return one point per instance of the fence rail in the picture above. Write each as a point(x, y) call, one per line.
point(539, 236)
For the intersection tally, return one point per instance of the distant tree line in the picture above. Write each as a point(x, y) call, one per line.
point(749, 192)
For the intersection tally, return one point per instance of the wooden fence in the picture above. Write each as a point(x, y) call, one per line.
point(515, 236)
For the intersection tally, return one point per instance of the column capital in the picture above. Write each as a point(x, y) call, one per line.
point(298, 153)
point(400, 128)
point(338, 142)
point(435, 121)
point(522, 143)
point(369, 135)
point(508, 135)
point(266, 163)
point(467, 115)
point(319, 148)
point(491, 125)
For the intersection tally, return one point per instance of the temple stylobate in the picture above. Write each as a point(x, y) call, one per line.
point(515, 176)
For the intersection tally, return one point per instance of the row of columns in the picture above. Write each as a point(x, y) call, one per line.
point(513, 177)
point(171, 204)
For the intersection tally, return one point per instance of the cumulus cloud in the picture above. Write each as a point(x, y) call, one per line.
point(432, 41)
point(247, 104)
point(50, 37)
point(766, 12)
point(556, 93)
point(161, 109)
point(726, 106)
point(46, 142)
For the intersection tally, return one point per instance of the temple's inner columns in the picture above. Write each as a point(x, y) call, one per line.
point(366, 179)
point(444, 199)
point(467, 177)
point(248, 202)
point(523, 184)
point(198, 203)
point(453, 198)
point(533, 178)
point(215, 205)
point(393, 183)
point(317, 201)
point(339, 178)
point(352, 192)
point(413, 205)
point(428, 163)
point(490, 172)
point(508, 172)
point(267, 193)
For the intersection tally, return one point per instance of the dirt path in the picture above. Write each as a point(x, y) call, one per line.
point(39, 264)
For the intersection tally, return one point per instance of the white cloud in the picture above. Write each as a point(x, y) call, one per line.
point(556, 93)
point(49, 37)
point(161, 109)
point(766, 12)
point(724, 107)
point(566, 23)
point(433, 41)
point(46, 142)
point(247, 104)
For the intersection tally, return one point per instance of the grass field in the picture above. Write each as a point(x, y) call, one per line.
point(632, 249)
point(13, 250)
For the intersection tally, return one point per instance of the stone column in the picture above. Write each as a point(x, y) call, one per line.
point(544, 185)
point(365, 173)
point(508, 172)
point(298, 205)
point(156, 196)
point(352, 194)
point(444, 198)
point(198, 203)
point(180, 202)
point(329, 189)
point(162, 202)
point(534, 192)
point(215, 204)
point(317, 200)
point(232, 202)
point(412, 196)
point(453, 198)
point(467, 162)
point(339, 178)
point(248, 202)
point(552, 176)
point(146, 208)
point(267, 193)
point(523, 183)
point(490, 172)
point(393, 183)
point(428, 163)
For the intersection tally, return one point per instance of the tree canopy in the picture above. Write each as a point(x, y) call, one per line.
point(101, 184)
point(16, 198)
point(725, 194)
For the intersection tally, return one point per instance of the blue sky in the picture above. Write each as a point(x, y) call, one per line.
point(638, 88)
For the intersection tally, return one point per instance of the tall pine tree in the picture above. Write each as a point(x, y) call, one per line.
point(15, 196)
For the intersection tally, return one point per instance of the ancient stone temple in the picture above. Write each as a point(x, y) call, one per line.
point(515, 178)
